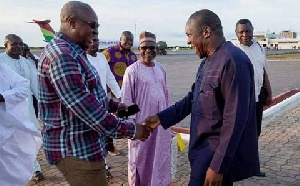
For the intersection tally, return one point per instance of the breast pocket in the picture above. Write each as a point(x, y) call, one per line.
point(205, 105)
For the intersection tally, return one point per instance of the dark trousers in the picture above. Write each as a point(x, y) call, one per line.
point(259, 112)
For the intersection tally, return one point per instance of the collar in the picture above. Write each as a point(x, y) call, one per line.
point(122, 50)
point(11, 57)
point(61, 36)
point(254, 41)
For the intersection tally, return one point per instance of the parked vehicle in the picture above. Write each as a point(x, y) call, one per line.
point(161, 48)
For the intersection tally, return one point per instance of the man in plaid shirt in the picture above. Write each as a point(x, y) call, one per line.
point(73, 105)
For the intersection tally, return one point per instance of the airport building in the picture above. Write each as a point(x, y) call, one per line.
point(285, 40)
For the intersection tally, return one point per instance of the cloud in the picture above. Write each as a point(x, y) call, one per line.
point(165, 18)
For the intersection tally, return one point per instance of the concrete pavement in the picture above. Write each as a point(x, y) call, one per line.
point(279, 153)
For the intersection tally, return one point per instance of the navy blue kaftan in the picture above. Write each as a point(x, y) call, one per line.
point(223, 133)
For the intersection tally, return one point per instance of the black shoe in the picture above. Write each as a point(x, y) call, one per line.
point(261, 174)
point(108, 175)
point(38, 176)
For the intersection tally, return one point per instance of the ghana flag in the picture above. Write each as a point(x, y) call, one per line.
point(46, 29)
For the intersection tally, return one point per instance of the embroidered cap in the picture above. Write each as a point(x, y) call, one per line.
point(147, 37)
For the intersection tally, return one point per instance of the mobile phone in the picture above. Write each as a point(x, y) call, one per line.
point(131, 110)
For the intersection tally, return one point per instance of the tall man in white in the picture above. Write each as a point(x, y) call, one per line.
point(12, 58)
point(256, 53)
point(19, 138)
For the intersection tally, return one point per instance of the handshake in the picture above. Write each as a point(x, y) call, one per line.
point(143, 130)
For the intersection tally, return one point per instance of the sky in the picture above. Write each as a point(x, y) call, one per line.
point(165, 18)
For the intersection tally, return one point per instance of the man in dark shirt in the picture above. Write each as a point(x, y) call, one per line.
point(223, 140)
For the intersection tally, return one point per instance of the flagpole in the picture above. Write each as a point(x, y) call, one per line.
point(135, 30)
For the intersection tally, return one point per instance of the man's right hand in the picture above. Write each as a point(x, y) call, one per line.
point(152, 122)
point(212, 178)
point(142, 132)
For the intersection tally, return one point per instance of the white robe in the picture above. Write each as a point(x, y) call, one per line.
point(19, 138)
point(27, 70)
point(106, 76)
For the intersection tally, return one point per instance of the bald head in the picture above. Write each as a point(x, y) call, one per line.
point(126, 33)
point(203, 18)
point(79, 22)
point(73, 9)
point(126, 40)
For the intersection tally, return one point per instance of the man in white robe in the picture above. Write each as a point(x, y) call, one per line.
point(12, 58)
point(19, 138)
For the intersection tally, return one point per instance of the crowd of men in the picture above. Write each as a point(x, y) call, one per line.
point(81, 91)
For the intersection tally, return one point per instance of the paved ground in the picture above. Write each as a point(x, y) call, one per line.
point(280, 157)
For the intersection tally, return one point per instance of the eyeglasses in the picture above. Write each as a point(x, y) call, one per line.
point(93, 25)
point(148, 47)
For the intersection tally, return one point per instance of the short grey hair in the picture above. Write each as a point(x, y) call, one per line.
point(126, 33)
point(243, 22)
point(208, 18)
point(11, 37)
point(73, 9)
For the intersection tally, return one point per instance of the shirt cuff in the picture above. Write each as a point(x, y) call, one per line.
point(220, 164)
point(131, 130)
point(118, 94)
point(165, 118)
point(113, 106)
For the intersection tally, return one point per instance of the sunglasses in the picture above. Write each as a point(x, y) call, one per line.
point(93, 25)
point(148, 47)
